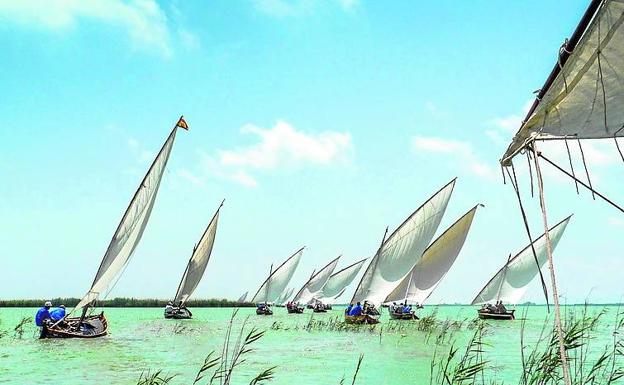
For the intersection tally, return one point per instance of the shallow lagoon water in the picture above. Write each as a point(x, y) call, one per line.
point(140, 339)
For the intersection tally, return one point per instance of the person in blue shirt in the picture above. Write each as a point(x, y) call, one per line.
point(407, 309)
point(57, 313)
point(43, 314)
point(348, 309)
point(357, 310)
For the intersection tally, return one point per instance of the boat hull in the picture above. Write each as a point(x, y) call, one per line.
point(361, 319)
point(507, 315)
point(178, 313)
point(319, 310)
point(403, 316)
point(91, 327)
point(265, 311)
point(295, 310)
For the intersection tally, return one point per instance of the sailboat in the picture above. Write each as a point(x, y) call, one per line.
point(119, 251)
point(397, 255)
point(338, 282)
point(194, 271)
point(312, 287)
point(242, 298)
point(275, 284)
point(426, 275)
point(509, 284)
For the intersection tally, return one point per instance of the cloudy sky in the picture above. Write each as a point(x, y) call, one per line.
point(319, 122)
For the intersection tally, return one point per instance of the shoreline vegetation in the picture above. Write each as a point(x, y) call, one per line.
point(125, 302)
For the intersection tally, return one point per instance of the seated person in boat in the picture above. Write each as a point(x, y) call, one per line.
point(169, 307)
point(500, 308)
point(370, 309)
point(57, 313)
point(43, 314)
point(356, 310)
point(399, 309)
point(348, 309)
point(393, 307)
point(407, 309)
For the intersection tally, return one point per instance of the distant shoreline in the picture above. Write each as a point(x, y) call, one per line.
point(201, 303)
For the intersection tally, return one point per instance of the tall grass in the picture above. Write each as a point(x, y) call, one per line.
point(125, 302)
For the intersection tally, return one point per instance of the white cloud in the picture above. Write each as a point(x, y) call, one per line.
point(511, 123)
point(277, 148)
point(461, 152)
point(189, 176)
point(285, 8)
point(143, 20)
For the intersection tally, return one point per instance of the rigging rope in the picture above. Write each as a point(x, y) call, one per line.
point(565, 139)
point(585, 165)
point(616, 142)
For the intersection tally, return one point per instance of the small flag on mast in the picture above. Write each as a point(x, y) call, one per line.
point(182, 123)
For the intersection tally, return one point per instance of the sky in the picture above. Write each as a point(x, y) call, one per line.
point(319, 122)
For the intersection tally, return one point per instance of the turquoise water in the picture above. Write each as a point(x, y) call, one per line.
point(140, 339)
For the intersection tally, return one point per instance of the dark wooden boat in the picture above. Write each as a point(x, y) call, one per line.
point(487, 314)
point(177, 313)
point(295, 310)
point(361, 319)
point(320, 309)
point(91, 327)
point(264, 310)
point(402, 316)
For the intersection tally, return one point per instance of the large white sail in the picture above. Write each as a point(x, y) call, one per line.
point(316, 282)
point(436, 261)
point(585, 98)
point(132, 225)
point(198, 262)
point(402, 249)
point(277, 281)
point(510, 282)
point(338, 282)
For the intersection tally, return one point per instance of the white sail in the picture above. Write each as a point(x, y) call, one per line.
point(277, 281)
point(436, 261)
point(510, 282)
point(242, 298)
point(585, 98)
point(284, 298)
point(198, 262)
point(315, 284)
point(402, 250)
point(338, 282)
point(132, 225)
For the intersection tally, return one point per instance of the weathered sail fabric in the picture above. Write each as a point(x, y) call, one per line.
point(278, 280)
point(436, 261)
point(130, 229)
point(510, 283)
point(402, 250)
point(315, 284)
point(198, 262)
point(338, 282)
point(585, 100)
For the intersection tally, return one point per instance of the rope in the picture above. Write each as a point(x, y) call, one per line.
point(565, 139)
point(563, 49)
point(616, 143)
point(551, 268)
point(530, 172)
point(503, 171)
point(586, 171)
point(528, 231)
point(604, 93)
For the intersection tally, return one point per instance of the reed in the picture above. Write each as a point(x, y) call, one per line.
point(125, 302)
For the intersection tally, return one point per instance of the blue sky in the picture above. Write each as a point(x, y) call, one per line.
point(319, 122)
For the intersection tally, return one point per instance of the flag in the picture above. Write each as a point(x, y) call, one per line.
point(182, 123)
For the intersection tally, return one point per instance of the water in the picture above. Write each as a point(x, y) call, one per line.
point(140, 339)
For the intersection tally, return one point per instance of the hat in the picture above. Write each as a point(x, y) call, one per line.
point(62, 306)
point(48, 304)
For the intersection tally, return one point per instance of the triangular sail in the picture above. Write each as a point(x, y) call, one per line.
point(131, 227)
point(315, 283)
point(198, 262)
point(287, 294)
point(436, 261)
point(338, 282)
point(583, 97)
point(401, 251)
point(277, 281)
point(510, 282)
point(242, 298)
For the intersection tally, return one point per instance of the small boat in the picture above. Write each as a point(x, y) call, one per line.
point(194, 271)
point(511, 281)
point(320, 309)
point(486, 313)
point(271, 289)
point(361, 319)
point(313, 286)
point(399, 315)
point(294, 309)
point(263, 309)
point(118, 253)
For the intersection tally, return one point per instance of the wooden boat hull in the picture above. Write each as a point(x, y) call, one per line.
point(177, 313)
point(265, 311)
point(319, 310)
point(508, 315)
point(92, 327)
point(295, 310)
point(361, 319)
point(403, 316)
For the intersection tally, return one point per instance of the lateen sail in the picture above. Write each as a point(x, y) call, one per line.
point(278, 280)
point(402, 250)
point(585, 97)
point(315, 283)
point(130, 229)
point(511, 281)
point(338, 282)
point(436, 261)
point(242, 298)
point(198, 262)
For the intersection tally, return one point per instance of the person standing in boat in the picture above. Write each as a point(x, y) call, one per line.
point(57, 313)
point(43, 314)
